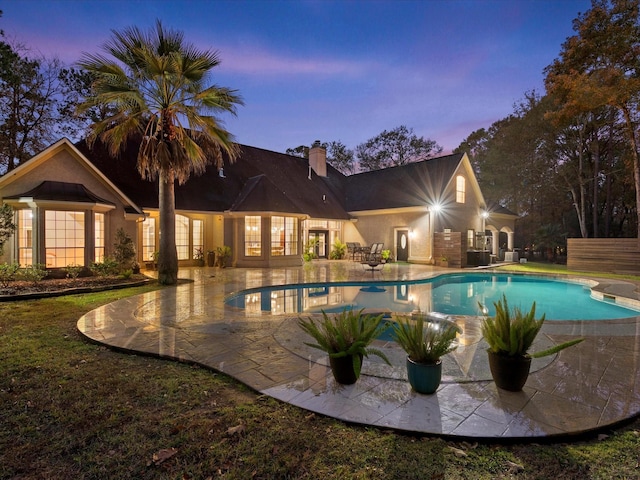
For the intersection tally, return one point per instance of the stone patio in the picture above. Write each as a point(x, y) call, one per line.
point(584, 388)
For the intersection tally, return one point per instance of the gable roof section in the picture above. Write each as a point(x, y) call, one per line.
point(500, 210)
point(286, 179)
point(260, 195)
point(52, 150)
point(412, 185)
point(62, 192)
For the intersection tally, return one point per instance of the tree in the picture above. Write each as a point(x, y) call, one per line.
point(338, 155)
point(27, 97)
point(7, 227)
point(600, 66)
point(395, 147)
point(156, 82)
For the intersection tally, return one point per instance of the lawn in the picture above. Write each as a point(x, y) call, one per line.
point(70, 409)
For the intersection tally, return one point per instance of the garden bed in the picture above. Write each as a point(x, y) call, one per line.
point(24, 290)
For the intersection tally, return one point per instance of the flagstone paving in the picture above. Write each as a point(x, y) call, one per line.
point(592, 385)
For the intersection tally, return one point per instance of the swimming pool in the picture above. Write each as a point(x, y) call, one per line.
point(454, 294)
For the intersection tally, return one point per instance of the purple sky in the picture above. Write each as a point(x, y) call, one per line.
point(336, 70)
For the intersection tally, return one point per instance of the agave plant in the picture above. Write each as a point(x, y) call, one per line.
point(511, 331)
point(348, 333)
point(425, 343)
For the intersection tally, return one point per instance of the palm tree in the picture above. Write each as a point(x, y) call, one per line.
point(156, 84)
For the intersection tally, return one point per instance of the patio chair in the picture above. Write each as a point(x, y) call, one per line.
point(352, 249)
point(376, 252)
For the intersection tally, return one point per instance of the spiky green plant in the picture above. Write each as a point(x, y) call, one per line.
point(425, 343)
point(511, 332)
point(347, 333)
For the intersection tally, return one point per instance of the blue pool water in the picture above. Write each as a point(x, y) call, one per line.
point(456, 294)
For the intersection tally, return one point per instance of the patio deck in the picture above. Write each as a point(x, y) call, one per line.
point(584, 388)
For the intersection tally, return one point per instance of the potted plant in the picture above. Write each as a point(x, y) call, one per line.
point(346, 337)
point(198, 256)
point(425, 340)
point(510, 334)
point(211, 258)
point(386, 256)
point(223, 253)
point(444, 261)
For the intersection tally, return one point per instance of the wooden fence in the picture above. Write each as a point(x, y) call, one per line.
point(613, 255)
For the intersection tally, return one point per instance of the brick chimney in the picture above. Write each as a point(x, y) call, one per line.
point(318, 159)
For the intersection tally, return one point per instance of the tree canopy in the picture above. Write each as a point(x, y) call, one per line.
point(600, 67)
point(394, 147)
point(338, 155)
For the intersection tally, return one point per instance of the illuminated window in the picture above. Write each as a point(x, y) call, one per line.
point(284, 236)
point(64, 238)
point(25, 237)
point(198, 237)
point(182, 237)
point(148, 238)
point(460, 189)
point(98, 251)
point(471, 237)
point(252, 236)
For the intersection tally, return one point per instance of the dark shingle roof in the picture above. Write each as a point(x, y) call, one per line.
point(62, 191)
point(285, 187)
point(411, 185)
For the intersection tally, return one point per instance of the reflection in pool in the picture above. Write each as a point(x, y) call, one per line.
point(455, 294)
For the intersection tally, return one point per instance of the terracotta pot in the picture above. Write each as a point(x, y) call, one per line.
point(342, 369)
point(423, 377)
point(509, 373)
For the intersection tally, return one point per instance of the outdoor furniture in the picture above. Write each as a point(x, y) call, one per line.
point(362, 252)
point(372, 266)
point(375, 254)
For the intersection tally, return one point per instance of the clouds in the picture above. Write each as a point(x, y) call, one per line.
point(337, 70)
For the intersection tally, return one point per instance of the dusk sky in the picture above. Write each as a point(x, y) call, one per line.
point(336, 70)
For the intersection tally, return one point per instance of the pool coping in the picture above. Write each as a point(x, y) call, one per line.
point(585, 388)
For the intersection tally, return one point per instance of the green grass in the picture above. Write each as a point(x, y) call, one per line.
point(556, 269)
point(74, 410)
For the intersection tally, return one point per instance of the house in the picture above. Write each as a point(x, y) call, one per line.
point(267, 206)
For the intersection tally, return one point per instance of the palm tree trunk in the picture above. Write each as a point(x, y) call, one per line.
point(168, 258)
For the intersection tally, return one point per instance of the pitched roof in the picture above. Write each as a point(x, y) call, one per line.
point(62, 191)
point(410, 185)
point(286, 186)
point(497, 208)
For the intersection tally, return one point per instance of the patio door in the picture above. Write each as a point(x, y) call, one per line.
point(320, 237)
point(402, 245)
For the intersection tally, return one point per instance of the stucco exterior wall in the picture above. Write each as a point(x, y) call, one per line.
point(65, 167)
point(382, 227)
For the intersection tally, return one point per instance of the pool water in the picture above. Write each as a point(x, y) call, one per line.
point(454, 294)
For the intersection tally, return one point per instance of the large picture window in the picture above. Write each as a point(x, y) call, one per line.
point(25, 237)
point(182, 237)
point(64, 238)
point(98, 253)
point(252, 236)
point(284, 236)
point(148, 238)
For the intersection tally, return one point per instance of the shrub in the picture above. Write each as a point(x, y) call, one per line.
point(107, 267)
point(34, 274)
point(8, 273)
point(339, 249)
point(124, 251)
point(74, 271)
